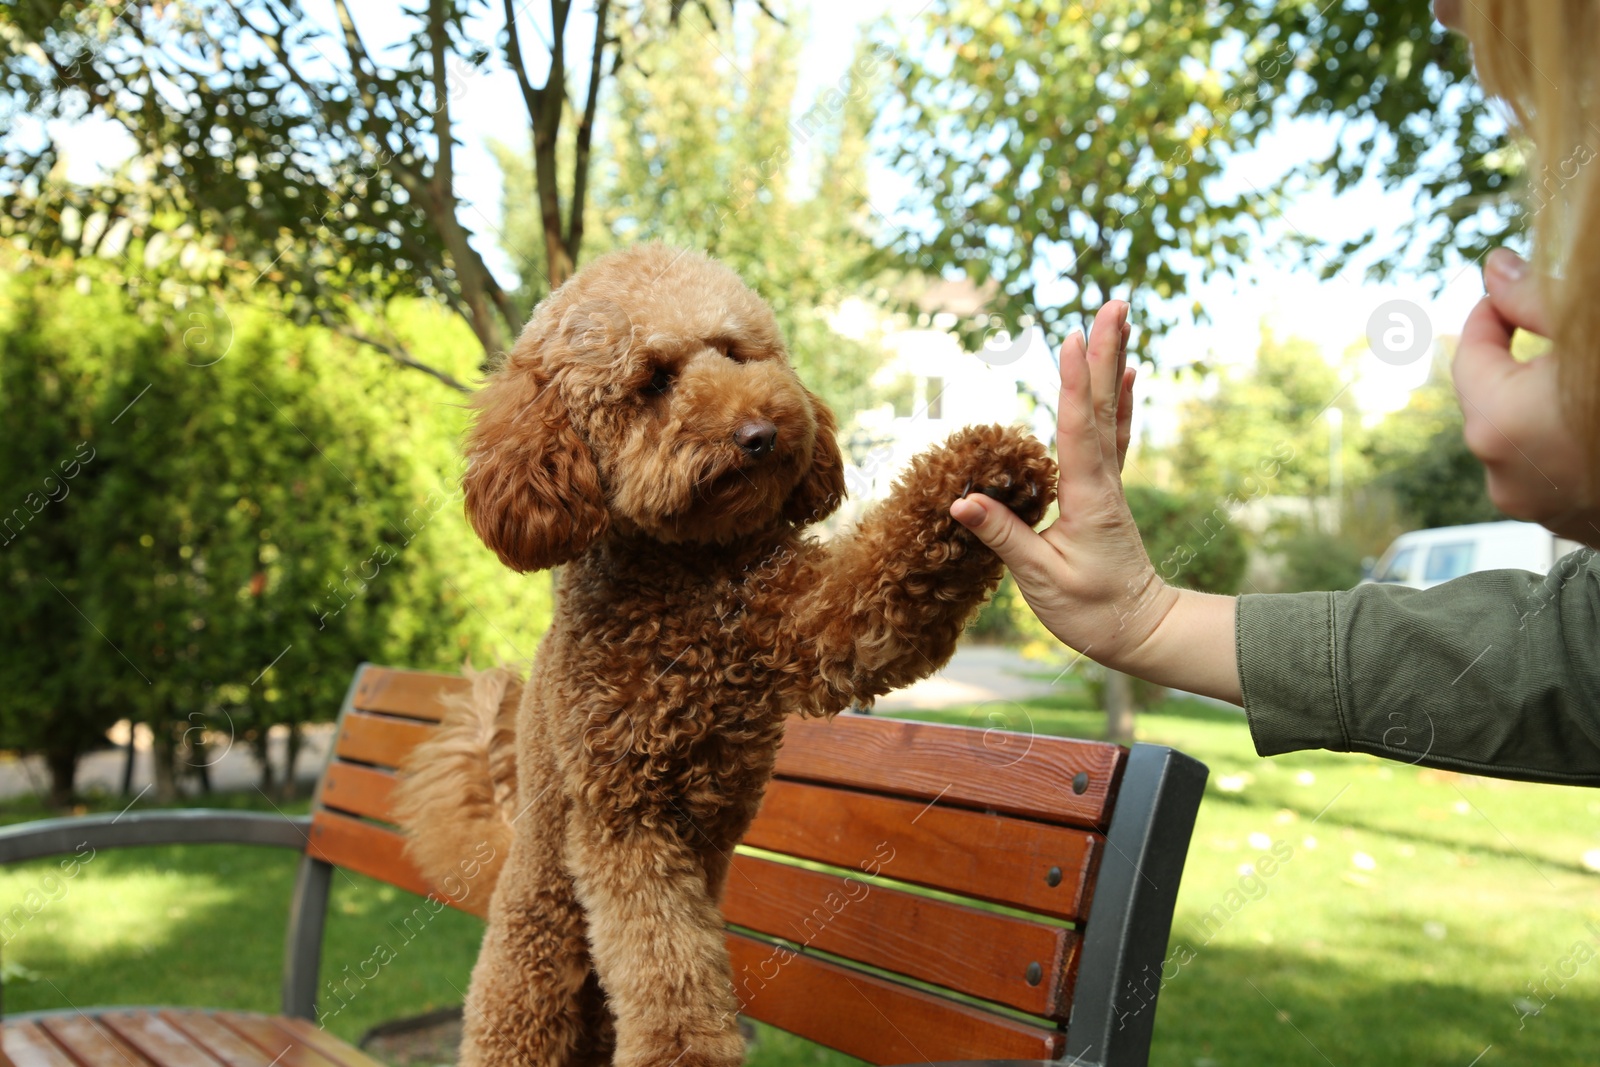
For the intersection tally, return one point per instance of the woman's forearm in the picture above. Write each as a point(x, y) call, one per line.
point(1192, 647)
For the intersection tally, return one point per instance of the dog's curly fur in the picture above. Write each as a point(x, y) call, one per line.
point(692, 617)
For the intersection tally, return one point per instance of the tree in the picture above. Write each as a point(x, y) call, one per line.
point(1065, 153)
point(54, 706)
point(318, 168)
point(1067, 150)
point(251, 517)
point(1423, 460)
point(1415, 118)
point(708, 158)
point(1265, 431)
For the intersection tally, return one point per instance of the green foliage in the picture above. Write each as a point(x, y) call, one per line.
point(252, 518)
point(272, 144)
point(1265, 431)
point(1442, 484)
point(1067, 152)
point(1417, 120)
point(1424, 460)
point(1192, 541)
point(1316, 560)
point(1003, 618)
point(704, 155)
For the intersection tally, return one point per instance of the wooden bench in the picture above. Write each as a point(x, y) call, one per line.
point(1055, 864)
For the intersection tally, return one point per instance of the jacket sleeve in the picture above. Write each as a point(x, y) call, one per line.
point(1496, 673)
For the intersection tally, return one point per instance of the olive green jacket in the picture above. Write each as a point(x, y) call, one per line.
point(1495, 673)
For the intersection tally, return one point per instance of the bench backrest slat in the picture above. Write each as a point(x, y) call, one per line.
point(1050, 778)
point(988, 857)
point(980, 953)
point(871, 1018)
point(834, 933)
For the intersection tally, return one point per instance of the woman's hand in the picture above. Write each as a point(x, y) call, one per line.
point(1087, 576)
point(1515, 421)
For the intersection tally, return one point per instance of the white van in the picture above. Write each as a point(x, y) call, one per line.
point(1426, 558)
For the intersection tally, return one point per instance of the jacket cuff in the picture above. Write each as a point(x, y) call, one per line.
point(1288, 672)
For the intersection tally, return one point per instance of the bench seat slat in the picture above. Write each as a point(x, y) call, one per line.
point(414, 694)
point(870, 1018)
point(990, 770)
point(158, 1040)
point(283, 1048)
point(89, 1044)
point(326, 1043)
point(221, 1042)
point(990, 857)
point(978, 953)
point(27, 1045)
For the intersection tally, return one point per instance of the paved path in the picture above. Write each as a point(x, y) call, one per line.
point(977, 674)
point(232, 770)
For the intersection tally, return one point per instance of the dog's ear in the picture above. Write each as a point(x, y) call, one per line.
point(533, 492)
point(820, 491)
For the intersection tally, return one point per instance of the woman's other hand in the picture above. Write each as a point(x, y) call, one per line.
point(1515, 421)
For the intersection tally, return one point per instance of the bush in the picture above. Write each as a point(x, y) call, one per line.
point(1314, 560)
point(211, 539)
point(1193, 541)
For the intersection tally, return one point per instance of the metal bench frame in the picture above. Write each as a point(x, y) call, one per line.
point(1119, 969)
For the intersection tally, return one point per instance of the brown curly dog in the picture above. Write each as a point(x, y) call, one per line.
point(648, 432)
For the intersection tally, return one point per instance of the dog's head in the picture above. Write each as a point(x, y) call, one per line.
point(650, 395)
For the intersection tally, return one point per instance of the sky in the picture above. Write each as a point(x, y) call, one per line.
point(1288, 298)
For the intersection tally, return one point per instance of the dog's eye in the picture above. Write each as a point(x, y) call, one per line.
point(659, 383)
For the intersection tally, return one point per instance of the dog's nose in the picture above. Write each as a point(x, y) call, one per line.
point(757, 437)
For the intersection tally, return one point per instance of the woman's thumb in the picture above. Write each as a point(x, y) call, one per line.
point(998, 527)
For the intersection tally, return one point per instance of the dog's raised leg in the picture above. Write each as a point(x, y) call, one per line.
point(884, 606)
point(657, 941)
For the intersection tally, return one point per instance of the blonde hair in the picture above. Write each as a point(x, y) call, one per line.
point(1537, 56)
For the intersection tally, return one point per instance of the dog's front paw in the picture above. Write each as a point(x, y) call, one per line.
point(1006, 465)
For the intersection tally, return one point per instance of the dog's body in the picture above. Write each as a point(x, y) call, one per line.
point(648, 432)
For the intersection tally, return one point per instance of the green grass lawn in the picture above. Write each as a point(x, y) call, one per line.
point(1413, 912)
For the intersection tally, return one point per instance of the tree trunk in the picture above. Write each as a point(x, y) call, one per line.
point(1119, 707)
point(200, 759)
point(63, 766)
point(291, 754)
point(261, 749)
point(163, 754)
point(128, 758)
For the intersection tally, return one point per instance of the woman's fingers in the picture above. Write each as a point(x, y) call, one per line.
point(1122, 354)
point(1125, 415)
point(1107, 356)
point(1516, 291)
point(1483, 356)
point(1077, 438)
